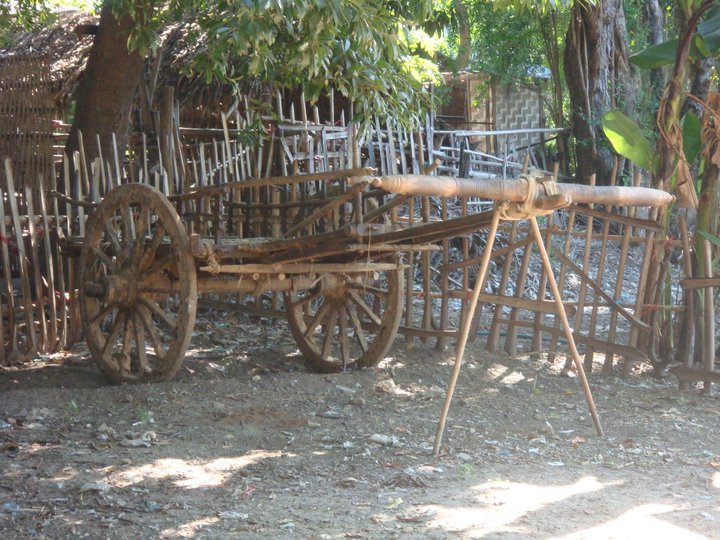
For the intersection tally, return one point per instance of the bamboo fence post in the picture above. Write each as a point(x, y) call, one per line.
point(65, 313)
point(687, 353)
point(72, 298)
point(22, 255)
point(37, 275)
point(582, 293)
point(10, 296)
point(82, 166)
point(537, 343)
point(427, 278)
point(624, 248)
point(566, 325)
point(465, 330)
point(561, 284)
point(709, 320)
point(410, 278)
point(49, 266)
point(539, 319)
point(511, 338)
point(444, 283)
point(493, 340)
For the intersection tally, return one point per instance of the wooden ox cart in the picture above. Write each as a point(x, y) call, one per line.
point(338, 264)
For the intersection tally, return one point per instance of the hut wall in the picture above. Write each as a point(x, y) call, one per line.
point(27, 109)
point(517, 107)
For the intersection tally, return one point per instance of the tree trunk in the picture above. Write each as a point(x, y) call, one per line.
point(548, 29)
point(107, 89)
point(655, 20)
point(597, 74)
point(701, 77)
point(463, 58)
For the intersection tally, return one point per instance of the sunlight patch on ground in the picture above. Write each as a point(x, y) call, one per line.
point(513, 378)
point(187, 474)
point(190, 529)
point(716, 480)
point(638, 522)
point(500, 505)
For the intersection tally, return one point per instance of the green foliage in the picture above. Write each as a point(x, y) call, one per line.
point(537, 6)
point(364, 49)
point(656, 56)
point(692, 136)
point(505, 43)
point(710, 238)
point(628, 140)
point(21, 15)
point(705, 44)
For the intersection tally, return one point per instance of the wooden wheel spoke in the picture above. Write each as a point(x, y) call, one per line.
point(136, 245)
point(141, 228)
point(158, 266)
point(369, 289)
point(157, 343)
point(155, 290)
point(169, 321)
point(104, 258)
point(117, 325)
point(127, 223)
point(329, 331)
point(126, 362)
point(317, 318)
point(364, 307)
point(344, 343)
point(102, 314)
point(359, 332)
point(149, 253)
point(306, 299)
point(113, 237)
point(140, 341)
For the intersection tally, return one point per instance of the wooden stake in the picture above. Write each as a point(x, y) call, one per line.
point(686, 354)
point(709, 321)
point(22, 255)
point(566, 325)
point(465, 330)
point(10, 296)
point(35, 253)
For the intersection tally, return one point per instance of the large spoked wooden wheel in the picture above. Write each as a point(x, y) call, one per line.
point(347, 320)
point(137, 283)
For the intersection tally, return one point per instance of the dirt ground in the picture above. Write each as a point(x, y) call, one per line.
point(246, 442)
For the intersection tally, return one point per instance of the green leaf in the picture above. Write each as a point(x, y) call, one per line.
point(628, 140)
point(692, 140)
point(700, 47)
point(656, 56)
point(709, 29)
point(710, 237)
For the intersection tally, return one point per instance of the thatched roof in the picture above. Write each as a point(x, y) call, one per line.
point(67, 53)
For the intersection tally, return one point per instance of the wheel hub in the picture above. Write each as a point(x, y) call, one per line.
point(119, 289)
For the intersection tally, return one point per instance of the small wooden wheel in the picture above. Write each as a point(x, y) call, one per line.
point(347, 320)
point(137, 285)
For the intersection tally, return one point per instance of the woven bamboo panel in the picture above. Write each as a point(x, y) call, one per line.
point(517, 107)
point(26, 113)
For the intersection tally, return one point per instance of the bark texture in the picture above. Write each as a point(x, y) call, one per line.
point(106, 92)
point(597, 74)
point(655, 21)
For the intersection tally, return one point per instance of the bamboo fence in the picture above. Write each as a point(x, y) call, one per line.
point(600, 256)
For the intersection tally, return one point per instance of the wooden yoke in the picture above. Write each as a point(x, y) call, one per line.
point(527, 197)
point(519, 190)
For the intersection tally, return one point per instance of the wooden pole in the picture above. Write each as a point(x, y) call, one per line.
point(566, 325)
point(465, 330)
point(709, 322)
point(22, 255)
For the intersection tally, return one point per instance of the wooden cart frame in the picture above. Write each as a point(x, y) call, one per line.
point(338, 266)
